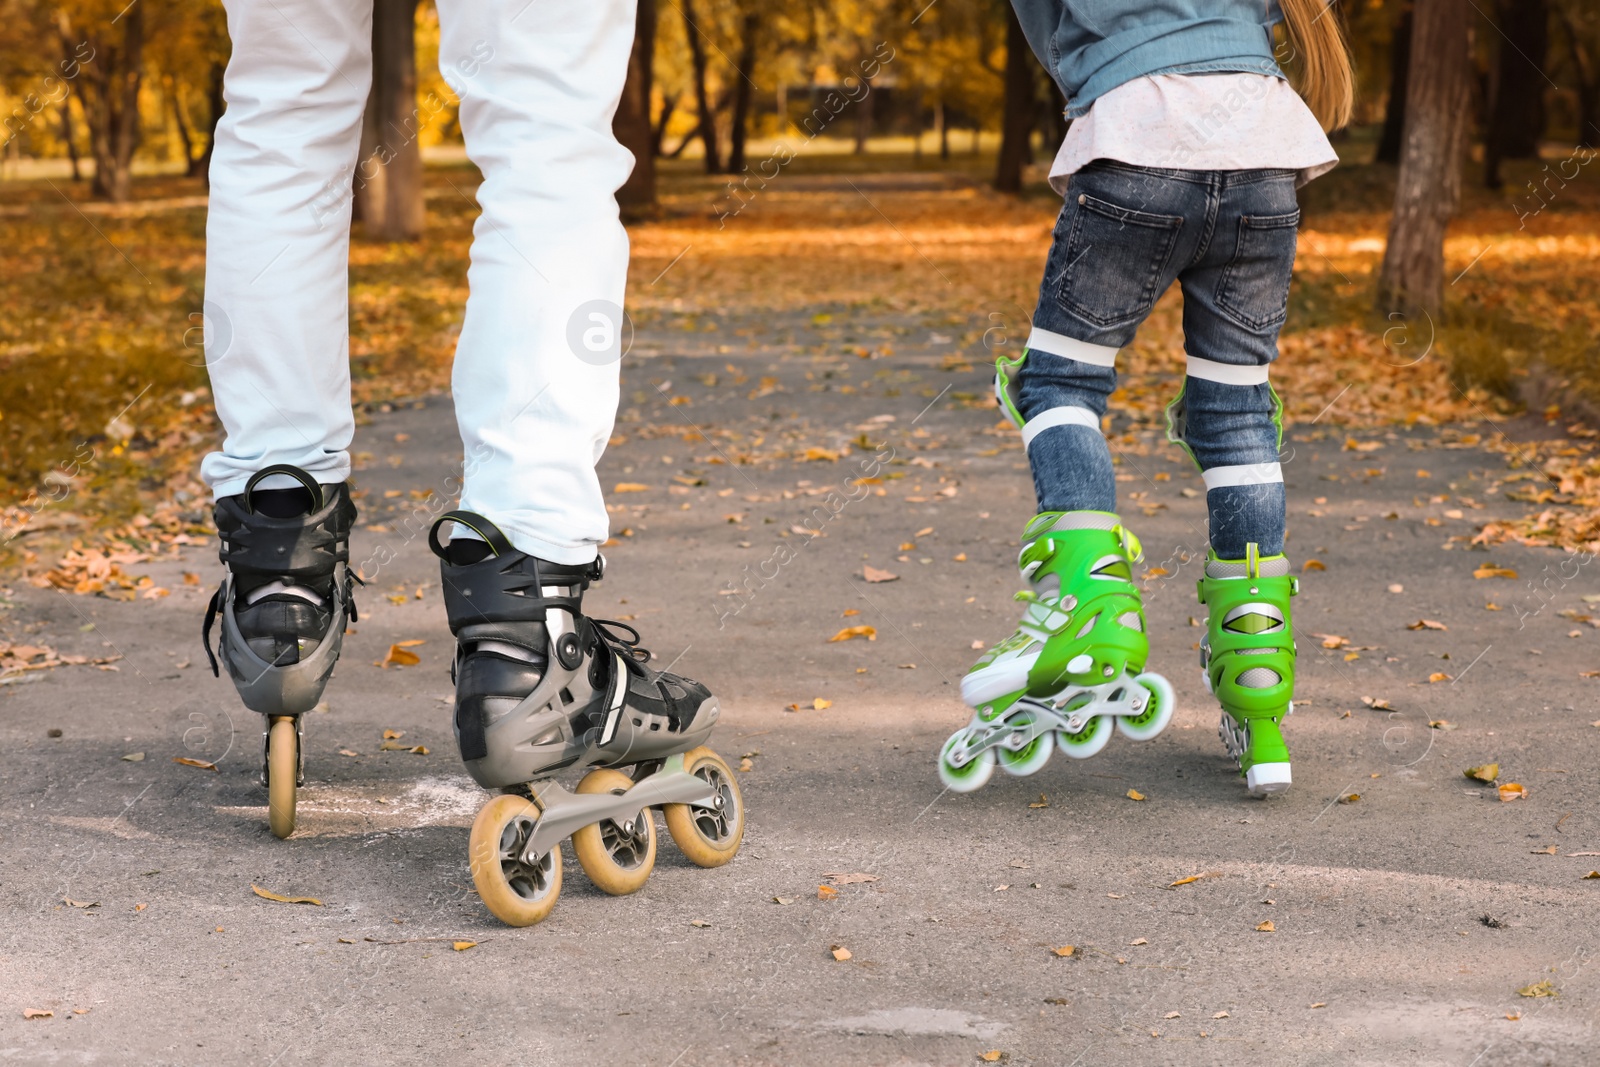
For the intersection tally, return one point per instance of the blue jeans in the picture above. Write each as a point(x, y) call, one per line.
point(1125, 235)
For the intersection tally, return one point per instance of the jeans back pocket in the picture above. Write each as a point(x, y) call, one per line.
point(1254, 288)
point(1115, 258)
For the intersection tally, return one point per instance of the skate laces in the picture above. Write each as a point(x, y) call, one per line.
point(628, 648)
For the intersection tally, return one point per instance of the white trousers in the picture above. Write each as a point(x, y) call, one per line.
point(535, 382)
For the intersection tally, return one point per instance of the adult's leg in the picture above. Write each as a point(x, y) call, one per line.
point(537, 366)
point(278, 238)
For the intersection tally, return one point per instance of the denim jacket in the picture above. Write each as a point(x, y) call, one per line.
point(1092, 46)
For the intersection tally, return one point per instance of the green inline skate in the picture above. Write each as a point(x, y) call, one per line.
point(1248, 659)
point(1074, 663)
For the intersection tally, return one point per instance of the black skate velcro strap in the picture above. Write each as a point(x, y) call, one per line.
point(479, 525)
point(313, 486)
point(502, 589)
point(304, 547)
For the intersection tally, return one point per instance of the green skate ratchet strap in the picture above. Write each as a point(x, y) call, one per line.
point(1248, 628)
point(1096, 595)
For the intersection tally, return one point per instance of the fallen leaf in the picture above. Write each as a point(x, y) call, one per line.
point(1134, 794)
point(1489, 570)
point(1438, 676)
point(840, 953)
point(783, 900)
point(977, 645)
point(347, 752)
point(202, 764)
point(462, 946)
point(1313, 565)
point(69, 902)
point(1320, 1004)
point(1224, 1015)
point(1042, 802)
point(1265, 926)
point(1512, 791)
point(1591, 874)
point(1486, 772)
point(924, 532)
point(630, 487)
point(1139, 941)
point(1173, 1015)
point(1380, 704)
point(1065, 950)
point(991, 1056)
point(140, 907)
point(134, 757)
point(840, 878)
point(393, 735)
point(1350, 798)
point(821, 704)
point(38, 1013)
point(847, 612)
point(1550, 851)
point(1441, 724)
point(699, 924)
point(1545, 988)
point(1514, 1016)
point(873, 574)
point(267, 894)
point(826, 892)
point(401, 657)
point(849, 632)
point(746, 765)
point(1427, 624)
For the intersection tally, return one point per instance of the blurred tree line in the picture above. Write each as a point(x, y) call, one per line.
point(107, 82)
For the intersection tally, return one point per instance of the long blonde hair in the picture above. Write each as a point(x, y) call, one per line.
point(1325, 79)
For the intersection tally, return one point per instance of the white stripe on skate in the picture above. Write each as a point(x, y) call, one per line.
point(619, 689)
point(1063, 416)
point(1243, 474)
point(1058, 344)
point(1225, 373)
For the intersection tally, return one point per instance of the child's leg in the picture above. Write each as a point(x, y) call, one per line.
point(1074, 665)
point(1235, 302)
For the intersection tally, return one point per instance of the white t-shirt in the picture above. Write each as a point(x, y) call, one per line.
point(1198, 122)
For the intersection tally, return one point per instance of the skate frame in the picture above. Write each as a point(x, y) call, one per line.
point(1048, 717)
point(562, 812)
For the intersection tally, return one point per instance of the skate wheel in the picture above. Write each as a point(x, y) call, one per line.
point(1029, 758)
point(969, 776)
point(617, 859)
point(1094, 736)
point(1157, 711)
point(517, 892)
point(283, 774)
point(709, 836)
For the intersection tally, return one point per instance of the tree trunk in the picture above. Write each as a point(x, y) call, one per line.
point(1016, 122)
point(67, 136)
point(941, 116)
point(669, 107)
point(866, 109)
point(1394, 115)
point(182, 123)
point(1516, 114)
point(1586, 67)
point(109, 93)
point(388, 181)
point(1437, 95)
point(632, 126)
point(749, 27)
point(201, 168)
point(697, 59)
